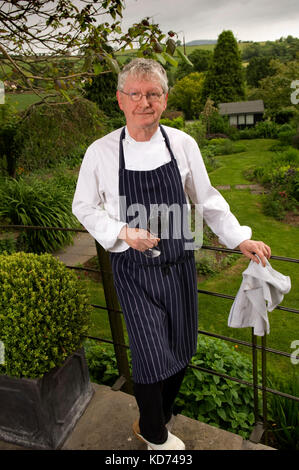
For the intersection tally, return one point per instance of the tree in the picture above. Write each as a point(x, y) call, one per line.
point(200, 59)
point(52, 48)
point(225, 78)
point(258, 68)
point(284, 49)
point(276, 90)
point(186, 95)
point(207, 112)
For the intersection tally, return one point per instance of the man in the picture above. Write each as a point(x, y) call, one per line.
point(147, 165)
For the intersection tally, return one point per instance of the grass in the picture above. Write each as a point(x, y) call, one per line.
point(21, 101)
point(233, 166)
point(283, 239)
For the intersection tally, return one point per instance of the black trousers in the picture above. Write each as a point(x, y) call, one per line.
point(155, 402)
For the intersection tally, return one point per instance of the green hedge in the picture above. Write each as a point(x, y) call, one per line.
point(51, 134)
point(44, 313)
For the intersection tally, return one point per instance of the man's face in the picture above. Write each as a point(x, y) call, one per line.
point(142, 114)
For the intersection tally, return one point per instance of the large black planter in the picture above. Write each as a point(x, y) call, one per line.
point(41, 413)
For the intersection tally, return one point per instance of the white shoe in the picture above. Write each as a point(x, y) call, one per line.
point(172, 442)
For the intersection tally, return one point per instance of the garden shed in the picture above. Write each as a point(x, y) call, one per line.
point(243, 113)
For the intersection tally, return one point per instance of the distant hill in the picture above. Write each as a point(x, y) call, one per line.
point(201, 42)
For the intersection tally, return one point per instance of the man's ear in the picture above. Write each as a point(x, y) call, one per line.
point(165, 104)
point(119, 99)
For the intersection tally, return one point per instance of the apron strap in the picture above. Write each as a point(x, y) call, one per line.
point(163, 132)
point(121, 149)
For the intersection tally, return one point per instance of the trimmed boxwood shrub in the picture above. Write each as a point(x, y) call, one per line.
point(44, 313)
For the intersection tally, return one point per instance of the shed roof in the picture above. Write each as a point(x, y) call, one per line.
point(239, 107)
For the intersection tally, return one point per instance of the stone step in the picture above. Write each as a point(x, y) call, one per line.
point(107, 425)
point(107, 422)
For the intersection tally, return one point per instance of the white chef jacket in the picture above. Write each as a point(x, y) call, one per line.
point(261, 290)
point(96, 199)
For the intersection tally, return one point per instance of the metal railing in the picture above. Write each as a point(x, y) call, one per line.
point(120, 347)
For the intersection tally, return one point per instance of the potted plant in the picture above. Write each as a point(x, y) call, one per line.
point(44, 380)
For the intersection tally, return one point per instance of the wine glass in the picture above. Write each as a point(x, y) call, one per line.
point(154, 227)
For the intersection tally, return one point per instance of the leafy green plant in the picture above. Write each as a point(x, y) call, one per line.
point(7, 245)
point(9, 121)
point(284, 414)
point(281, 178)
point(177, 122)
point(31, 201)
point(205, 263)
point(44, 313)
point(197, 130)
point(101, 362)
point(216, 400)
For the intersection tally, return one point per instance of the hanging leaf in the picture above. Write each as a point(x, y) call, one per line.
point(170, 59)
point(65, 94)
point(97, 68)
point(171, 46)
point(113, 64)
point(158, 47)
point(184, 57)
point(159, 58)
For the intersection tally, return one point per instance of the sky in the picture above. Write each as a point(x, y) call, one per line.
point(253, 20)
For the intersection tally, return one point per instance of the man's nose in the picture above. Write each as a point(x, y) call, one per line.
point(144, 100)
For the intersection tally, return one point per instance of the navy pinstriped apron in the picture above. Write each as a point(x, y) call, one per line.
point(158, 295)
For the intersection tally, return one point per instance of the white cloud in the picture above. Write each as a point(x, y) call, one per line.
point(255, 20)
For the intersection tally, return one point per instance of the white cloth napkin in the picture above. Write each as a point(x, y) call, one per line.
point(261, 290)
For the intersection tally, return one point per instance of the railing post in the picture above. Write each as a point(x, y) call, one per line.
point(264, 385)
point(258, 429)
point(115, 318)
point(255, 377)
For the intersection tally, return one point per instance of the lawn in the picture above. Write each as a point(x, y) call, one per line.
point(283, 239)
point(21, 100)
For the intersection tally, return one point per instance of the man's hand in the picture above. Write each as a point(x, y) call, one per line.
point(138, 238)
point(250, 248)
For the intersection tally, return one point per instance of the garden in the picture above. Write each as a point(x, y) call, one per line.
point(40, 156)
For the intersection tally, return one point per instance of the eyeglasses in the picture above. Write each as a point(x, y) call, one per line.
point(151, 96)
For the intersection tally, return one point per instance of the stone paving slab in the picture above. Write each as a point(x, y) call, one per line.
point(81, 251)
point(107, 422)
